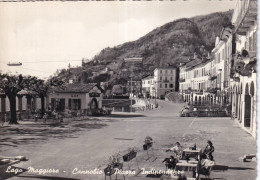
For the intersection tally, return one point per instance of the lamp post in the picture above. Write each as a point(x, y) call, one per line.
point(131, 109)
point(156, 82)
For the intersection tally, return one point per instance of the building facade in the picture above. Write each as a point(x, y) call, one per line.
point(147, 86)
point(164, 81)
point(76, 97)
point(134, 87)
point(243, 69)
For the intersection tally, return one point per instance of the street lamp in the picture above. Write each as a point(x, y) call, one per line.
point(156, 82)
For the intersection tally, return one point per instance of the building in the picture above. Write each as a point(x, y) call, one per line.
point(76, 97)
point(132, 64)
point(25, 101)
point(206, 80)
point(164, 81)
point(134, 87)
point(243, 66)
point(194, 81)
point(147, 86)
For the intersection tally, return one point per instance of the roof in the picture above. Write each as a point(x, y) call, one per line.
point(193, 63)
point(159, 68)
point(148, 77)
point(78, 88)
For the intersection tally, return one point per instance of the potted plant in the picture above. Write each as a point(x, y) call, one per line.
point(148, 142)
point(132, 152)
point(113, 163)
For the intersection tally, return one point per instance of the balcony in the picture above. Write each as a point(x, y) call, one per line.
point(225, 84)
point(244, 16)
point(165, 81)
point(211, 78)
point(181, 80)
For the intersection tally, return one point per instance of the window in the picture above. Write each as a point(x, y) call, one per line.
point(171, 71)
point(161, 78)
point(171, 85)
point(166, 86)
point(75, 104)
point(254, 41)
point(171, 78)
point(160, 85)
point(161, 71)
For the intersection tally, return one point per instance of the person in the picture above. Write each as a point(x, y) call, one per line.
point(170, 163)
point(209, 149)
point(176, 150)
point(204, 167)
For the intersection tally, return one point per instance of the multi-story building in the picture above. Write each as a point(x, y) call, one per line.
point(164, 81)
point(243, 71)
point(232, 71)
point(147, 86)
point(134, 87)
point(194, 79)
point(206, 80)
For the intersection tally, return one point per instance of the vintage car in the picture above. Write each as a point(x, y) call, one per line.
point(185, 112)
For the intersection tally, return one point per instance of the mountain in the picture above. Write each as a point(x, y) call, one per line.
point(167, 45)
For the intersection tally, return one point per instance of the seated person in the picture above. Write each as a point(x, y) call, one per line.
point(170, 163)
point(176, 150)
point(209, 149)
point(206, 164)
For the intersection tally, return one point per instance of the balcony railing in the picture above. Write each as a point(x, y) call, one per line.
point(181, 80)
point(211, 78)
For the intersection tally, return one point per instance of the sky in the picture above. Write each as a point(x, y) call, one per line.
point(46, 36)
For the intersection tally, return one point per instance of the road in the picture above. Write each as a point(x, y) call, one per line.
point(90, 148)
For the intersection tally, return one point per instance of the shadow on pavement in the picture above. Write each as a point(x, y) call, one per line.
point(125, 115)
point(6, 175)
point(154, 175)
point(14, 136)
point(45, 177)
point(225, 168)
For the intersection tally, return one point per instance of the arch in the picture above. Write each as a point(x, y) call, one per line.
point(252, 88)
point(247, 110)
point(94, 104)
point(246, 89)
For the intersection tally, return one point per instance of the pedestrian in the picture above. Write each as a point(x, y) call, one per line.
point(209, 149)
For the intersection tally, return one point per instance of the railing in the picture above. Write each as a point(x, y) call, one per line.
point(181, 80)
point(225, 84)
point(211, 78)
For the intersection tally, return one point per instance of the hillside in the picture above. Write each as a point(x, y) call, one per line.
point(167, 45)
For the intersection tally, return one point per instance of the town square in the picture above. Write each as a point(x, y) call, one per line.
point(145, 90)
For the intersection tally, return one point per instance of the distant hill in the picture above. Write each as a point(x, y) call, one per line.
point(167, 45)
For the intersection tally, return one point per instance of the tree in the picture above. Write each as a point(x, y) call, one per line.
point(42, 88)
point(11, 85)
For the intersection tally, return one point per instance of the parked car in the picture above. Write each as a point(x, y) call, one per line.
point(185, 112)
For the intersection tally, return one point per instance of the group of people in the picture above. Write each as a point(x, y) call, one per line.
point(205, 161)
